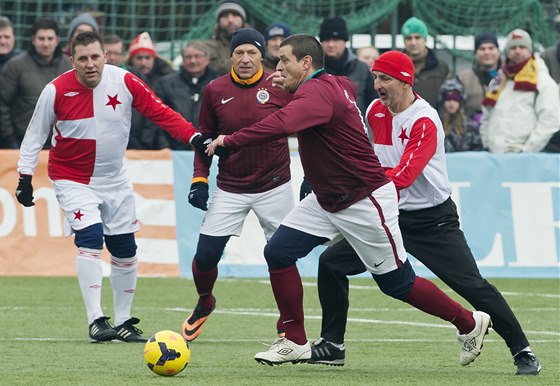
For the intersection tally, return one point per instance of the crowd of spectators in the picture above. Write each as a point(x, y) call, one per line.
point(508, 101)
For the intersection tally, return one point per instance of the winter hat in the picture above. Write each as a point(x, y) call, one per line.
point(84, 18)
point(334, 28)
point(452, 89)
point(231, 6)
point(396, 64)
point(142, 43)
point(277, 29)
point(519, 37)
point(414, 26)
point(486, 37)
point(247, 36)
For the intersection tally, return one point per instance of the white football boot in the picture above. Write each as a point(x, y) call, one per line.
point(472, 342)
point(284, 351)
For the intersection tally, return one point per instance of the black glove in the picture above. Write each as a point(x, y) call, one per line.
point(200, 142)
point(305, 189)
point(198, 196)
point(24, 191)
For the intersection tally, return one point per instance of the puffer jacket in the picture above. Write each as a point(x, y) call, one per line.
point(476, 82)
point(522, 121)
point(21, 82)
point(178, 91)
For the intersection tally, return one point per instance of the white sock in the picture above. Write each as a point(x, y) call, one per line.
point(526, 349)
point(123, 280)
point(90, 277)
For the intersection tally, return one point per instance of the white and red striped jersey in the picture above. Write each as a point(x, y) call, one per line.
point(92, 126)
point(410, 145)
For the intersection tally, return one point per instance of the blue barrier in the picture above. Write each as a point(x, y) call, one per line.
point(509, 207)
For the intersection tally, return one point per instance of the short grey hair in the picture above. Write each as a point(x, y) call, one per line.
point(198, 45)
point(6, 22)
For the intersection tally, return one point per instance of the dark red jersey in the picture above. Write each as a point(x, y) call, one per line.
point(337, 157)
point(227, 107)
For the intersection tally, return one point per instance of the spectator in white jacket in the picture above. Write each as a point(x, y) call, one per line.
point(521, 110)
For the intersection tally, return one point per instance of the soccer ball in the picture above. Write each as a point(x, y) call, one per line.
point(167, 353)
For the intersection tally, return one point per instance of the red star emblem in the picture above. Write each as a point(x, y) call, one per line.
point(403, 135)
point(78, 215)
point(113, 101)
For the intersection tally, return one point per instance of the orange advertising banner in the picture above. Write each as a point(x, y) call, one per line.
point(32, 241)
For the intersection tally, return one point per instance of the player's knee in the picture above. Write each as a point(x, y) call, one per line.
point(397, 283)
point(121, 246)
point(276, 258)
point(209, 251)
point(287, 245)
point(90, 237)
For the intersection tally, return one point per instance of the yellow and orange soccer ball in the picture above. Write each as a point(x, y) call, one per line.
point(167, 353)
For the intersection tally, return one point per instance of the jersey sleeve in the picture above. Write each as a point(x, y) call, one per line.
point(208, 125)
point(294, 117)
point(418, 151)
point(150, 106)
point(38, 130)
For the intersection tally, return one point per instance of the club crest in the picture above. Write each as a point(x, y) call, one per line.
point(262, 96)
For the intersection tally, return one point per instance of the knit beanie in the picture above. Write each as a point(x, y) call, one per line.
point(84, 18)
point(396, 64)
point(486, 37)
point(414, 26)
point(334, 28)
point(519, 37)
point(247, 36)
point(452, 89)
point(142, 43)
point(230, 6)
point(277, 29)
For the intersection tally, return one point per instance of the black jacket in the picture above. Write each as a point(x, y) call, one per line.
point(178, 91)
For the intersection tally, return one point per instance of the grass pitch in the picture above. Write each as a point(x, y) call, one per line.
point(44, 341)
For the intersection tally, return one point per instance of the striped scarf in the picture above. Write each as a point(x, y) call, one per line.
point(524, 75)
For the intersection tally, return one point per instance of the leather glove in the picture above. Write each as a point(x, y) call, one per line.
point(24, 191)
point(200, 142)
point(305, 189)
point(198, 195)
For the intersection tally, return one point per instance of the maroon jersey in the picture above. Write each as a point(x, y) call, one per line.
point(227, 107)
point(336, 155)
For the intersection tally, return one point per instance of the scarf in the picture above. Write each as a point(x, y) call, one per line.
point(247, 82)
point(524, 76)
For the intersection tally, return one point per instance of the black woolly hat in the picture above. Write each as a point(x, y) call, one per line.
point(247, 36)
point(333, 28)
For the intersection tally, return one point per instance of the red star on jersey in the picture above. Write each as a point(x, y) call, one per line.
point(78, 215)
point(403, 135)
point(113, 101)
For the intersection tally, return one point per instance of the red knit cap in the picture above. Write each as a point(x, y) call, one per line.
point(142, 43)
point(397, 64)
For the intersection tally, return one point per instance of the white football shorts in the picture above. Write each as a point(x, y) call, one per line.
point(227, 211)
point(370, 226)
point(112, 205)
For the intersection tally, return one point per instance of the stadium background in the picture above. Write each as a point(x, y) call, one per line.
point(172, 22)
